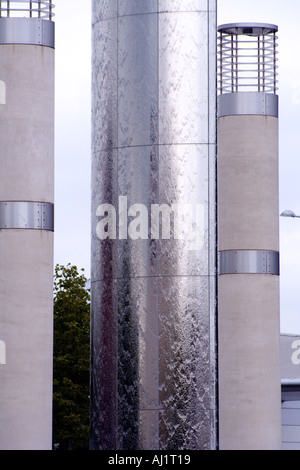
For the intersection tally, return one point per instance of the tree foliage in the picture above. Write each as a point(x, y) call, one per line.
point(71, 358)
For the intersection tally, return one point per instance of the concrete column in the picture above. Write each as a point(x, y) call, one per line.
point(248, 286)
point(26, 234)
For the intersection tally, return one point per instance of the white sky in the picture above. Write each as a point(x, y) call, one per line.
point(72, 140)
point(73, 143)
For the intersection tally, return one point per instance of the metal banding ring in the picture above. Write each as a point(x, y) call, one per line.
point(248, 103)
point(32, 31)
point(249, 262)
point(27, 215)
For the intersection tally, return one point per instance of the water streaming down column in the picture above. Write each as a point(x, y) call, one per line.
point(153, 289)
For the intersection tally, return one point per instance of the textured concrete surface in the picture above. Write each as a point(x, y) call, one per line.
point(248, 304)
point(26, 256)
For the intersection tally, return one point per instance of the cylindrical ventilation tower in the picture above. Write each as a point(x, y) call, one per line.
point(248, 238)
point(26, 223)
point(153, 225)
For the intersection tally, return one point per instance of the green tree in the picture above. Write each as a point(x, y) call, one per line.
point(71, 358)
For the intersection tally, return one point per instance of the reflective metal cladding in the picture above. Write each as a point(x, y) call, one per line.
point(153, 225)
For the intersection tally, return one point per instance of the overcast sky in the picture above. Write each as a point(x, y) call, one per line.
point(72, 140)
point(73, 143)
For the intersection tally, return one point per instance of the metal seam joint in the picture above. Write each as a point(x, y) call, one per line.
point(27, 215)
point(31, 31)
point(249, 262)
point(248, 103)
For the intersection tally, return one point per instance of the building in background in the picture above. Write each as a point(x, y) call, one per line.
point(153, 286)
point(26, 223)
point(290, 387)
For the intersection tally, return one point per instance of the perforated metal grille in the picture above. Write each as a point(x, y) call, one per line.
point(247, 58)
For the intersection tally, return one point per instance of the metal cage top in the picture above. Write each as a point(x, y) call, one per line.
point(247, 58)
point(27, 9)
point(252, 29)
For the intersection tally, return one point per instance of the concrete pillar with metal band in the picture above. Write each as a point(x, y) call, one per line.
point(26, 224)
point(248, 238)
